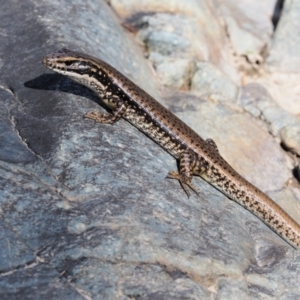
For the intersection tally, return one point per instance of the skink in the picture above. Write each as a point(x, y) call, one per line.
point(196, 156)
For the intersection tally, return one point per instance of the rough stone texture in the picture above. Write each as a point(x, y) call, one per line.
point(86, 212)
point(182, 29)
point(282, 63)
point(290, 136)
point(210, 82)
point(248, 25)
point(173, 72)
point(284, 52)
point(284, 89)
point(257, 101)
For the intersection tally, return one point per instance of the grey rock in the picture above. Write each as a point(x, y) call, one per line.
point(172, 72)
point(38, 282)
point(257, 101)
point(253, 98)
point(180, 30)
point(278, 119)
point(211, 83)
point(13, 252)
point(172, 42)
point(168, 39)
point(164, 42)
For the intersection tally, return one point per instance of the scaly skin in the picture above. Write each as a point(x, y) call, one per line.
point(196, 156)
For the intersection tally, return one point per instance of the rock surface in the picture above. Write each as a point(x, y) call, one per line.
point(284, 53)
point(86, 212)
point(282, 64)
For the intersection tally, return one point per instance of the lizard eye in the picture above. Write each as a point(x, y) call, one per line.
point(68, 63)
point(81, 66)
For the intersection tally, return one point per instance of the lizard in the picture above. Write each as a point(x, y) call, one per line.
point(196, 156)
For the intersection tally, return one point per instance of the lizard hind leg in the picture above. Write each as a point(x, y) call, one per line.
point(185, 176)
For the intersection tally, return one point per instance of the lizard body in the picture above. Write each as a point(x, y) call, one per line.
point(196, 155)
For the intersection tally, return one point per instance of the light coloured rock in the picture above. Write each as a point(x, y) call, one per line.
point(244, 42)
point(173, 72)
point(278, 119)
point(169, 35)
point(195, 21)
point(284, 89)
point(211, 83)
point(256, 100)
point(285, 48)
point(283, 61)
point(248, 24)
point(290, 136)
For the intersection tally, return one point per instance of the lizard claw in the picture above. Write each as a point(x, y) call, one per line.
point(99, 118)
point(184, 182)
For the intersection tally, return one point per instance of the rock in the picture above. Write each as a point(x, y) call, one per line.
point(282, 62)
point(86, 211)
point(284, 89)
point(249, 25)
point(209, 82)
point(257, 101)
point(290, 136)
point(172, 72)
point(166, 34)
point(159, 22)
point(284, 52)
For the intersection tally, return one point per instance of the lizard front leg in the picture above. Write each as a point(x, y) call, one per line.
point(118, 110)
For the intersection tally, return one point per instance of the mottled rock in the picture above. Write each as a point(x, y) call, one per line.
point(257, 101)
point(172, 72)
point(210, 82)
point(194, 23)
point(164, 34)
